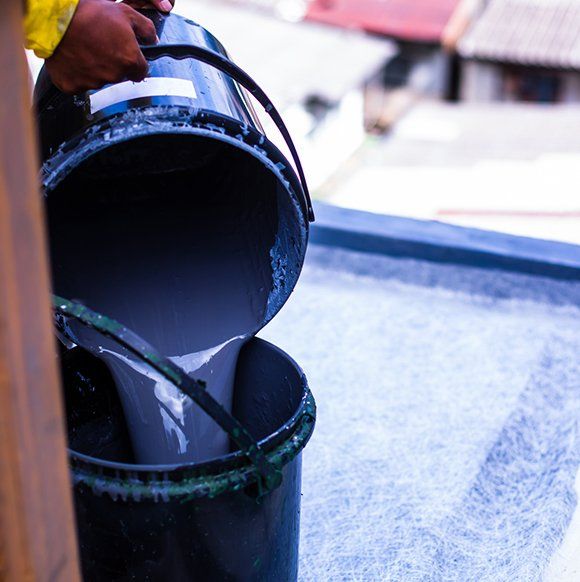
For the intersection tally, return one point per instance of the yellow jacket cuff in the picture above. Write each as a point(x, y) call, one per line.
point(45, 23)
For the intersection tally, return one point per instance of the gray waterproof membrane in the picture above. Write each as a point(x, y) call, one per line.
point(447, 443)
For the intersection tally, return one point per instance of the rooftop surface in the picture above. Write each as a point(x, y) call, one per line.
point(415, 20)
point(449, 398)
point(509, 167)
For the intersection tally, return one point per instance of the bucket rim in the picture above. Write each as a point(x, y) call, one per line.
point(179, 482)
point(155, 120)
point(268, 443)
point(230, 472)
point(202, 123)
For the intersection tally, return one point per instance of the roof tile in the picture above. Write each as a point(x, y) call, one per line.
point(419, 20)
point(529, 32)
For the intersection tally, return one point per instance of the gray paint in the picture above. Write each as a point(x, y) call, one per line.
point(195, 256)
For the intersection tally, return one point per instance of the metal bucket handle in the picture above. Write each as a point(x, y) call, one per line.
point(269, 476)
point(209, 57)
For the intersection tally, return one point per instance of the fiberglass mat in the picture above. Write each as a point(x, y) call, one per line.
point(447, 442)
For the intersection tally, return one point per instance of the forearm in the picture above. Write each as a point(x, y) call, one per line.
point(45, 24)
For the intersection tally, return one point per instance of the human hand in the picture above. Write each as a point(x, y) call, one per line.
point(101, 46)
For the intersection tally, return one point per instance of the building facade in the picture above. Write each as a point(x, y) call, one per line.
point(522, 50)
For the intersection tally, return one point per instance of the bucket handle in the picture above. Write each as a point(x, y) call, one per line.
point(223, 64)
point(270, 476)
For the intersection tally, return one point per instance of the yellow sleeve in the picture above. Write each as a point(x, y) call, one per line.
point(45, 23)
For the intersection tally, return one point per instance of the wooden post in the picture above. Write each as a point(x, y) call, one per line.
point(37, 533)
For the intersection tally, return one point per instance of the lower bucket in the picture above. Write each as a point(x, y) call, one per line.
point(194, 522)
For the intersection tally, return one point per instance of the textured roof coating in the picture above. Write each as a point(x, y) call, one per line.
point(419, 20)
point(447, 438)
point(527, 32)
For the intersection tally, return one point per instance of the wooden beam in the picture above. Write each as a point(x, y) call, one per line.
point(37, 534)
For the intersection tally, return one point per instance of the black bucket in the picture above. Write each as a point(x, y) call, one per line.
point(192, 89)
point(191, 130)
point(135, 175)
point(234, 518)
point(129, 166)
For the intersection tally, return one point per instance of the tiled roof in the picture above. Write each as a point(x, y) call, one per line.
point(529, 32)
point(418, 20)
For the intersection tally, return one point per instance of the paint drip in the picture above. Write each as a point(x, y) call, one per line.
point(188, 258)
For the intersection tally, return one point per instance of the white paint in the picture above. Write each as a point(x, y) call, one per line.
point(153, 87)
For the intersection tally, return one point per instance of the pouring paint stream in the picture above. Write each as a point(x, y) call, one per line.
point(194, 275)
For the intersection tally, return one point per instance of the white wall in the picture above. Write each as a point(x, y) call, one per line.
point(571, 88)
point(481, 82)
point(430, 74)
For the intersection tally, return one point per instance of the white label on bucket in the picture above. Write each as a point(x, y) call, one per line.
point(153, 87)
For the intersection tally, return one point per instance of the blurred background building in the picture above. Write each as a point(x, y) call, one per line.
point(522, 51)
point(464, 111)
point(470, 108)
